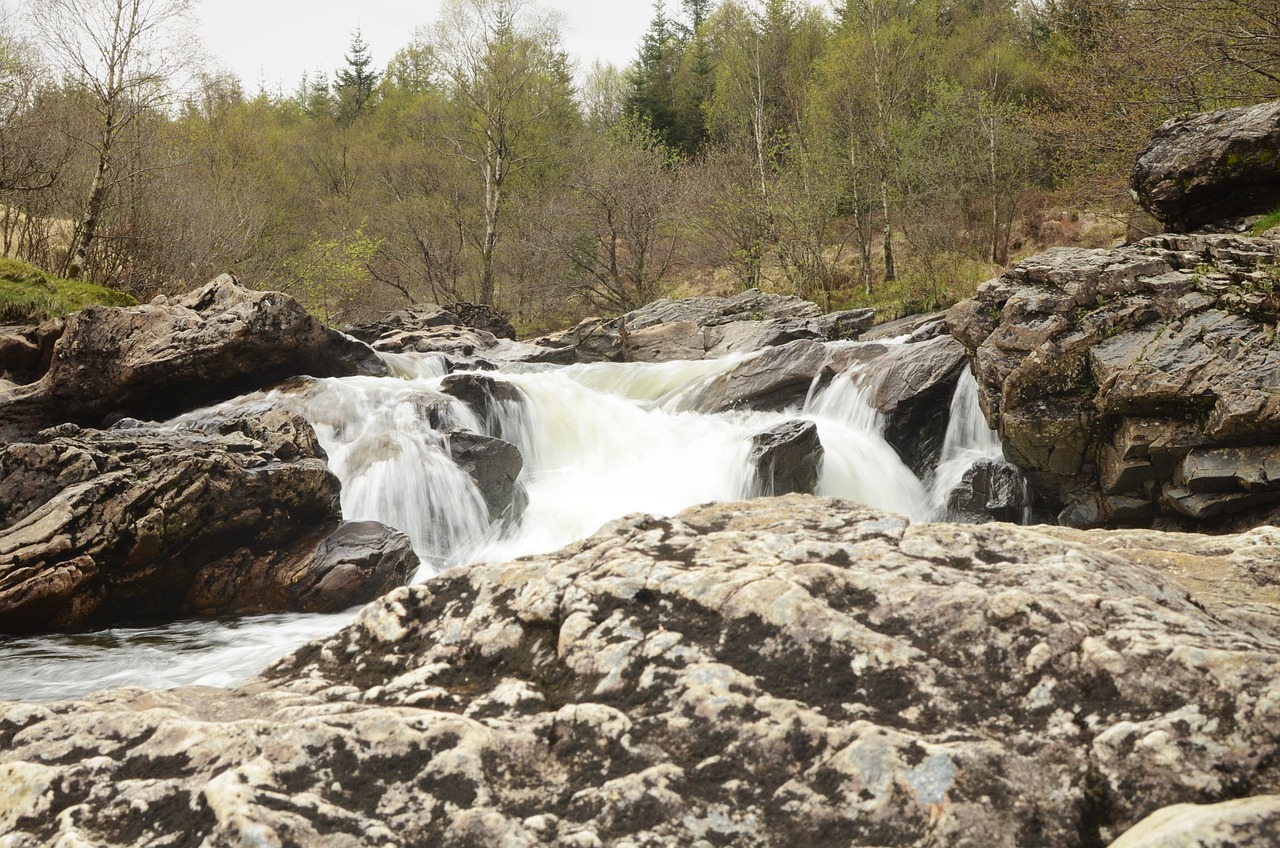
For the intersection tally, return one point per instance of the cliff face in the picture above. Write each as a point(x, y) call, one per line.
point(790, 671)
point(1137, 382)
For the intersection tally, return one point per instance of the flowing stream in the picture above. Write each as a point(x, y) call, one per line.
point(599, 441)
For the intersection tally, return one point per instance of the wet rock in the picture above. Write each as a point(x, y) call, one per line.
point(490, 399)
point(145, 523)
point(911, 385)
point(776, 378)
point(454, 340)
point(781, 672)
point(1206, 168)
point(159, 359)
point(787, 459)
point(920, 327)
point(495, 466)
point(990, 490)
point(1104, 371)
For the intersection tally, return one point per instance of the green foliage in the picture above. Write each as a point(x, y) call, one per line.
point(1269, 221)
point(28, 294)
point(330, 272)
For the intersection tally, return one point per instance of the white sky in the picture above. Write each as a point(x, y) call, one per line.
point(273, 42)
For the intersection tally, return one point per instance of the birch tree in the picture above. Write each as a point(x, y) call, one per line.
point(126, 56)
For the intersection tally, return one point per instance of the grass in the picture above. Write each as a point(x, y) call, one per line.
point(1268, 222)
point(28, 294)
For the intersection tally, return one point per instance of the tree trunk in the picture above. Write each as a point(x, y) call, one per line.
point(88, 229)
point(890, 273)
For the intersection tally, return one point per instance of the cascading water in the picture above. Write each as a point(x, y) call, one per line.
point(598, 442)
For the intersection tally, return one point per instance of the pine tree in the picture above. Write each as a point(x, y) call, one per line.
point(355, 83)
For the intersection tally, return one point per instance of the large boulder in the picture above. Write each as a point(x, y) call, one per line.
point(159, 359)
point(1206, 168)
point(778, 378)
point(143, 523)
point(711, 311)
point(783, 672)
point(1139, 381)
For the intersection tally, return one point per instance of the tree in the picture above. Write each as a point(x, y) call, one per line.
point(506, 78)
point(125, 55)
point(355, 84)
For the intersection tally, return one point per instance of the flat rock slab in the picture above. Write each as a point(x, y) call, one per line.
point(782, 672)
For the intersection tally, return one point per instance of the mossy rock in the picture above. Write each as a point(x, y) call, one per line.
point(28, 294)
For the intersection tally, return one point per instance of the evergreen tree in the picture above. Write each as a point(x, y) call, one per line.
point(355, 83)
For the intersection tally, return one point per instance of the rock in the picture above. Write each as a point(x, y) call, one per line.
point(483, 317)
point(1104, 371)
point(591, 340)
point(781, 672)
point(926, 324)
point(414, 319)
point(776, 378)
point(455, 340)
point(787, 459)
point(495, 467)
point(674, 340)
point(157, 360)
point(911, 385)
point(1206, 168)
point(491, 400)
point(1243, 823)
point(990, 490)
point(709, 311)
point(25, 352)
point(146, 523)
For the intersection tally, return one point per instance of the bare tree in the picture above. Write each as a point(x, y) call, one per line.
point(126, 55)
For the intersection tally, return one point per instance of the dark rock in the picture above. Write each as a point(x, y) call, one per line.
point(495, 467)
point(483, 318)
point(787, 458)
point(911, 385)
point(775, 379)
point(990, 490)
point(1207, 168)
point(26, 352)
point(486, 397)
point(157, 360)
point(1104, 371)
point(148, 523)
point(777, 673)
point(909, 326)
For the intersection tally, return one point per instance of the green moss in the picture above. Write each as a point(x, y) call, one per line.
point(28, 294)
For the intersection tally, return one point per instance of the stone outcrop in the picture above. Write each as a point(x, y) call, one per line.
point(142, 523)
point(1203, 169)
point(778, 378)
point(1137, 382)
point(787, 459)
point(790, 671)
point(163, 358)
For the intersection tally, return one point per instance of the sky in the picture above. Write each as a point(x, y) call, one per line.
point(273, 42)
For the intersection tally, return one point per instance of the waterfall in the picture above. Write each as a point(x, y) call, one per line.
point(598, 441)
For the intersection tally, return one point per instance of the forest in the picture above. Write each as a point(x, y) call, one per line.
point(891, 153)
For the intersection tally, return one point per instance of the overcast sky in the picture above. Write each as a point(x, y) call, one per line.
point(274, 41)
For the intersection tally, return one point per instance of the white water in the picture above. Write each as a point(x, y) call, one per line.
point(599, 442)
